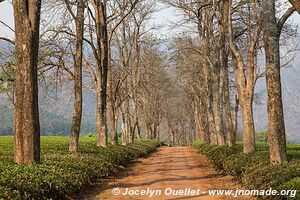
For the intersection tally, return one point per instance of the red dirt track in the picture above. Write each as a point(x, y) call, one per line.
point(178, 168)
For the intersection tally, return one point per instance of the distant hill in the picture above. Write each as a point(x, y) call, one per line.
point(50, 123)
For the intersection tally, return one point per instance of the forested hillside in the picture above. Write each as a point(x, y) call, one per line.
point(51, 123)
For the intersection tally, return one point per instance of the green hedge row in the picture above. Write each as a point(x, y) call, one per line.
point(254, 170)
point(61, 173)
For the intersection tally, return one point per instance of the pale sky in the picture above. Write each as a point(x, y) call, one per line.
point(162, 17)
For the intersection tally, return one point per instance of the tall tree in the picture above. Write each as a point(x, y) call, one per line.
point(77, 111)
point(223, 29)
point(276, 126)
point(26, 120)
point(246, 68)
point(101, 52)
point(122, 11)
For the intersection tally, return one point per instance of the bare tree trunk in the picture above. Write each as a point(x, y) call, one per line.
point(199, 134)
point(102, 72)
point(208, 91)
point(113, 124)
point(147, 132)
point(101, 128)
point(296, 4)
point(26, 117)
point(157, 134)
point(228, 118)
point(248, 123)
point(151, 132)
point(77, 111)
point(211, 122)
point(235, 120)
point(128, 121)
point(276, 126)
point(136, 127)
point(217, 104)
point(112, 102)
point(124, 131)
point(223, 28)
point(204, 120)
point(218, 121)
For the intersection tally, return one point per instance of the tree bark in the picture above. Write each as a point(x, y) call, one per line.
point(102, 72)
point(128, 121)
point(124, 132)
point(296, 4)
point(157, 134)
point(112, 102)
point(230, 133)
point(223, 28)
point(218, 118)
point(26, 117)
point(276, 126)
point(235, 120)
point(77, 111)
point(248, 123)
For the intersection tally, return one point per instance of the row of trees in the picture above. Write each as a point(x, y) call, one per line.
point(219, 64)
point(105, 47)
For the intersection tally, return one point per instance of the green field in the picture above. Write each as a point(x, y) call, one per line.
point(60, 172)
point(254, 170)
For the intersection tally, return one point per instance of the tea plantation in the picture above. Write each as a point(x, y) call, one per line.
point(254, 170)
point(61, 173)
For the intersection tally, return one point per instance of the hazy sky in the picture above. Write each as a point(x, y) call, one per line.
point(162, 17)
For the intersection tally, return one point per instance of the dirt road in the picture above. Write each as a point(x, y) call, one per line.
point(172, 173)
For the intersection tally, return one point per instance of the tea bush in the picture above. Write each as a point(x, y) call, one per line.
point(61, 173)
point(254, 170)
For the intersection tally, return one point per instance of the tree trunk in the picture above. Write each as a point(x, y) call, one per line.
point(136, 127)
point(124, 132)
point(147, 132)
point(128, 121)
point(296, 4)
point(248, 124)
point(211, 122)
point(276, 126)
point(77, 111)
point(223, 28)
point(26, 117)
point(232, 138)
point(102, 72)
point(217, 104)
point(157, 134)
point(230, 133)
point(246, 76)
point(204, 120)
point(101, 127)
point(218, 120)
point(112, 102)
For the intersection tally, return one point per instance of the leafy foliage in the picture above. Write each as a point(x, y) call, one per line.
point(60, 172)
point(263, 136)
